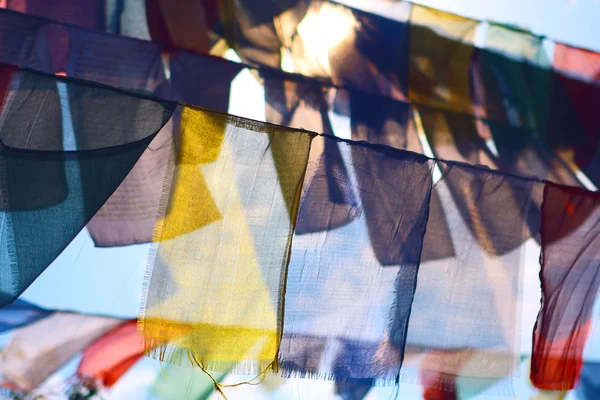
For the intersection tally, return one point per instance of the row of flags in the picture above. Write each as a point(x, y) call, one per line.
point(306, 198)
point(206, 217)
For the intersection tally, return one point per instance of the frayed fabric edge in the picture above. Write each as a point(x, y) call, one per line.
point(176, 355)
point(387, 381)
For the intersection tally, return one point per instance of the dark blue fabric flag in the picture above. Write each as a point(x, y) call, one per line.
point(20, 313)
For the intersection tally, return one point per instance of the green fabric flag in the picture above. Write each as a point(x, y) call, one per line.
point(177, 383)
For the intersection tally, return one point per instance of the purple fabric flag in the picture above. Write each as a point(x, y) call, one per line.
point(22, 41)
point(302, 104)
point(379, 120)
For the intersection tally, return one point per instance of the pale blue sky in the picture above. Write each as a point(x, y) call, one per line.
point(109, 281)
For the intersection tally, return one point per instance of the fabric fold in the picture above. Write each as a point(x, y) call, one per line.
point(111, 356)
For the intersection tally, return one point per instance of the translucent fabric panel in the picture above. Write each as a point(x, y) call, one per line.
point(570, 278)
point(216, 279)
point(465, 316)
point(38, 350)
point(112, 60)
point(20, 313)
point(183, 24)
point(202, 80)
point(521, 151)
point(46, 46)
point(127, 18)
point(354, 48)
point(130, 214)
point(106, 360)
point(176, 383)
point(70, 160)
point(295, 101)
point(85, 13)
point(301, 103)
point(574, 129)
point(21, 41)
point(120, 17)
point(499, 146)
point(339, 299)
point(441, 49)
point(249, 27)
point(133, 118)
point(454, 136)
point(582, 63)
point(512, 77)
point(379, 120)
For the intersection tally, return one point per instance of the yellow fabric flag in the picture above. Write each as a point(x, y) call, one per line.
point(215, 293)
point(441, 49)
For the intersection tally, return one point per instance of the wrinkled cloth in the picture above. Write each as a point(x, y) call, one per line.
point(128, 217)
point(498, 146)
point(224, 208)
point(570, 277)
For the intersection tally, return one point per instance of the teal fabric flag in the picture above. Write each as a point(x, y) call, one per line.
point(58, 165)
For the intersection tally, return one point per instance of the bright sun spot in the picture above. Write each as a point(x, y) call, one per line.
point(323, 29)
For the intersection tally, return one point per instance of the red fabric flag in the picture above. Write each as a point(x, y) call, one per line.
point(570, 277)
point(111, 356)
